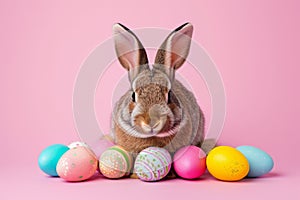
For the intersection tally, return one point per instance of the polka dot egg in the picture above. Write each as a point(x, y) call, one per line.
point(152, 164)
point(77, 164)
point(115, 162)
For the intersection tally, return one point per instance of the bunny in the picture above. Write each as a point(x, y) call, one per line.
point(157, 110)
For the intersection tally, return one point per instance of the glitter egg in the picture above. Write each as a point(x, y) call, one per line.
point(77, 164)
point(152, 164)
point(115, 162)
point(227, 164)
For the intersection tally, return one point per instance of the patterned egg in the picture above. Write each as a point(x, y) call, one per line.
point(152, 164)
point(115, 162)
point(78, 144)
point(77, 164)
point(227, 164)
point(103, 144)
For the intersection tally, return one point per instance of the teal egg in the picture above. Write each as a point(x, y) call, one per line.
point(259, 161)
point(49, 157)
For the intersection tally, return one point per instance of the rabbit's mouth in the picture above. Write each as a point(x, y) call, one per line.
point(162, 126)
point(168, 133)
point(162, 134)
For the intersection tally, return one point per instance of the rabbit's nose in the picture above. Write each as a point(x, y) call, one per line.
point(146, 127)
point(155, 125)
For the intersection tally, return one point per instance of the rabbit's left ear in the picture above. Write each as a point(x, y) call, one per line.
point(130, 51)
point(174, 50)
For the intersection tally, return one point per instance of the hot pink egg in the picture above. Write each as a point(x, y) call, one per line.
point(77, 164)
point(190, 162)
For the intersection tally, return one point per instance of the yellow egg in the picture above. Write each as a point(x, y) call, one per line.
point(227, 164)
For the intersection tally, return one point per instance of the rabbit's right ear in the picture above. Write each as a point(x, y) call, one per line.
point(130, 51)
point(174, 50)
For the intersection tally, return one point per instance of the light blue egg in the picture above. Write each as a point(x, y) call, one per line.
point(49, 157)
point(260, 162)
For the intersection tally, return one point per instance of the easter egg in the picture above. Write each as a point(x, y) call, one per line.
point(227, 163)
point(103, 144)
point(152, 164)
point(115, 162)
point(78, 144)
point(260, 162)
point(77, 164)
point(189, 162)
point(49, 157)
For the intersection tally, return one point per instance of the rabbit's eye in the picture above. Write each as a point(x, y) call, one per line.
point(169, 97)
point(133, 96)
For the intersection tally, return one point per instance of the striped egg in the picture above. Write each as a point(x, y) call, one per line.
point(115, 162)
point(152, 164)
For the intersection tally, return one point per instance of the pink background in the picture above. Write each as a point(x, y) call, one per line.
point(255, 45)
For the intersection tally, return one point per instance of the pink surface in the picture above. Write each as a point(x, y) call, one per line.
point(255, 45)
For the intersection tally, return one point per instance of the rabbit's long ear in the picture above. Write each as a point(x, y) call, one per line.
point(174, 50)
point(130, 51)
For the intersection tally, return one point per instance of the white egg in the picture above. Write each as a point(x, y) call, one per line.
point(78, 144)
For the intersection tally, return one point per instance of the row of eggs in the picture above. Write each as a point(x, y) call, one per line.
point(77, 162)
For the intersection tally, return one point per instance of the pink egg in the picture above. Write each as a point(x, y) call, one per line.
point(77, 164)
point(189, 162)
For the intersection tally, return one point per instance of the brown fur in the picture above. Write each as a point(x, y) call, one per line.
point(151, 94)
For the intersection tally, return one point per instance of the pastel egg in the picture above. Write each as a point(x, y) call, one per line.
point(227, 164)
point(152, 164)
point(115, 162)
point(78, 144)
point(103, 144)
point(77, 164)
point(49, 157)
point(189, 162)
point(260, 162)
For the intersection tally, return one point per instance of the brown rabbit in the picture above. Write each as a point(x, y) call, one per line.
point(158, 110)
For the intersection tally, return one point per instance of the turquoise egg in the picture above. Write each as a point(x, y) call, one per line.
point(49, 157)
point(260, 162)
